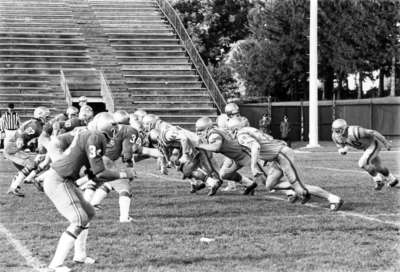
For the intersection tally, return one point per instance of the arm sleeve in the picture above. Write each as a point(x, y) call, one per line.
point(95, 148)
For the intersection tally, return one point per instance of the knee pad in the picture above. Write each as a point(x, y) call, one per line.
point(29, 167)
point(125, 193)
point(74, 230)
point(370, 169)
point(384, 171)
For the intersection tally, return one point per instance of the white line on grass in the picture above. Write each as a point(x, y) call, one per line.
point(345, 213)
point(22, 250)
point(340, 170)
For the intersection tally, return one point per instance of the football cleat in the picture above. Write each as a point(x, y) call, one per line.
point(336, 206)
point(215, 188)
point(292, 198)
point(250, 189)
point(126, 220)
point(15, 192)
point(86, 260)
point(60, 269)
point(197, 187)
point(305, 197)
point(393, 183)
point(379, 185)
point(38, 185)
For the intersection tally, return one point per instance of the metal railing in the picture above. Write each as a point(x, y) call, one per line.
point(194, 55)
point(106, 93)
point(65, 88)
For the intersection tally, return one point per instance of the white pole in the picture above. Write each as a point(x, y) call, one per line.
point(313, 80)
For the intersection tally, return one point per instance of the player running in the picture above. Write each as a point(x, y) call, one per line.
point(371, 142)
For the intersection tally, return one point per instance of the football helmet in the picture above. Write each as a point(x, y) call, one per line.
point(222, 121)
point(339, 126)
point(203, 125)
point(136, 124)
point(236, 123)
point(105, 123)
point(149, 122)
point(72, 111)
point(121, 117)
point(231, 109)
point(82, 99)
point(140, 114)
point(86, 113)
point(41, 113)
point(154, 135)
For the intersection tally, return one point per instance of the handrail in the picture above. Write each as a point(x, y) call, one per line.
point(64, 86)
point(106, 93)
point(194, 55)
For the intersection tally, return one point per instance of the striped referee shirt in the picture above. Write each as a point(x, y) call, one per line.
point(10, 121)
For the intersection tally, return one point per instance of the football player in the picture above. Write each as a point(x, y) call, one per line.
point(119, 152)
point(86, 148)
point(219, 141)
point(277, 153)
point(15, 148)
point(371, 142)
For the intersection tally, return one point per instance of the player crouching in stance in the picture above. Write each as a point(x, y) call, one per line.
point(264, 147)
point(85, 149)
point(118, 155)
point(14, 150)
point(280, 171)
point(219, 141)
point(371, 141)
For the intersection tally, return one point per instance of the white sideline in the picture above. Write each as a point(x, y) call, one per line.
point(33, 262)
point(345, 213)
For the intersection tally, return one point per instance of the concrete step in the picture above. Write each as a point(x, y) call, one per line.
point(150, 35)
point(25, 96)
point(177, 53)
point(171, 97)
point(76, 47)
point(25, 103)
point(155, 72)
point(29, 24)
point(45, 70)
point(171, 104)
point(141, 47)
point(41, 40)
point(42, 58)
point(26, 83)
point(47, 64)
point(148, 41)
point(129, 13)
point(123, 9)
point(180, 111)
point(168, 90)
point(27, 76)
point(171, 60)
point(48, 52)
point(87, 93)
point(41, 21)
point(162, 78)
point(118, 32)
point(170, 84)
point(46, 34)
point(37, 15)
point(23, 90)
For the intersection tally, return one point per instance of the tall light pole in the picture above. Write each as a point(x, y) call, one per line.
point(313, 80)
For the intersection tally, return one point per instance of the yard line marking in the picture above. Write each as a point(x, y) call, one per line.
point(33, 262)
point(344, 213)
point(340, 170)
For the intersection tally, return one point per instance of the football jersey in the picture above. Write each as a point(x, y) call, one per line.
point(356, 138)
point(230, 147)
point(269, 147)
point(85, 149)
point(29, 130)
point(121, 144)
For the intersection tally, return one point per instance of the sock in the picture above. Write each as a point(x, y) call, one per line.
point(80, 245)
point(65, 244)
point(318, 191)
point(98, 197)
point(378, 178)
point(31, 176)
point(17, 181)
point(88, 194)
point(124, 206)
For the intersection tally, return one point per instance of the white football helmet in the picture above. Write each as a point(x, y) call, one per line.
point(222, 121)
point(86, 113)
point(141, 114)
point(121, 117)
point(231, 109)
point(154, 135)
point(72, 111)
point(339, 126)
point(41, 113)
point(149, 122)
point(203, 124)
point(136, 124)
point(105, 123)
point(234, 124)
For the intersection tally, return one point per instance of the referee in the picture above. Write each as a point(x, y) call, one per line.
point(10, 122)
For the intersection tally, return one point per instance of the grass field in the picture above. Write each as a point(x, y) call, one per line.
point(247, 233)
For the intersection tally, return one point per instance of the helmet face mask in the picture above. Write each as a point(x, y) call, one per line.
point(339, 127)
point(234, 124)
point(41, 113)
point(86, 113)
point(72, 112)
point(149, 122)
point(203, 125)
point(232, 110)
